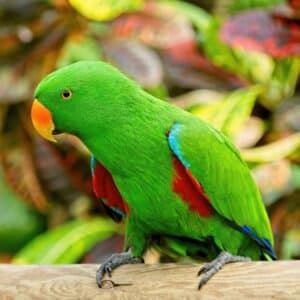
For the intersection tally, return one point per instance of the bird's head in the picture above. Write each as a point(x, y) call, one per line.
point(75, 98)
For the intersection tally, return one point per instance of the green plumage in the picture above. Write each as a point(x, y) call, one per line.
point(127, 131)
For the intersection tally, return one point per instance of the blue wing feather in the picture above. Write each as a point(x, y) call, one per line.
point(174, 145)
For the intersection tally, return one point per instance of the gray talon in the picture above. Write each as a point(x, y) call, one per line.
point(113, 262)
point(211, 268)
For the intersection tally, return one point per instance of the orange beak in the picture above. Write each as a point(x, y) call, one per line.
point(42, 120)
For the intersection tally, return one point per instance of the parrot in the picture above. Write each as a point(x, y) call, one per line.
point(163, 171)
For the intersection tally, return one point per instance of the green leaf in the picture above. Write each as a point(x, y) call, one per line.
point(18, 222)
point(230, 113)
point(255, 66)
point(236, 6)
point(274, 151)
point(159, 91)
point(197, 98)
point(66, 243)
point(295, 180)
point(282, 83)
point(102, 10)
point(76, 50)
point(291, 244)
point(198, 16)
point(237, 109)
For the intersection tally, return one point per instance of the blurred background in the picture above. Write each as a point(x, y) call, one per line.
point(233, 63)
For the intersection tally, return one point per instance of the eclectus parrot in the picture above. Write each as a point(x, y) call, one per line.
point(163, 170)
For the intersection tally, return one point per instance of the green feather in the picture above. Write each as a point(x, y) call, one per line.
point(126, 129)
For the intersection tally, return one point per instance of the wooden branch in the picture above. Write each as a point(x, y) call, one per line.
point(255, 280)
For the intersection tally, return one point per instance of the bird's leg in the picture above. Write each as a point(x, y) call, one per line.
point(115, 261)
point(211, 268)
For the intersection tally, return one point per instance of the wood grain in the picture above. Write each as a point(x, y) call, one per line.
point(255, 280)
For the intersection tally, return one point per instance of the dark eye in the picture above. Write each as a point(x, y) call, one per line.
point(67, 94)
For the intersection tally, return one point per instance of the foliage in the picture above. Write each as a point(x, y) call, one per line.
point(175, 50)
point(66, 243)
point(105, 9)
point(230, 113)
point(18, 223)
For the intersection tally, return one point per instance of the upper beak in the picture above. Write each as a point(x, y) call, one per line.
point(42, 120)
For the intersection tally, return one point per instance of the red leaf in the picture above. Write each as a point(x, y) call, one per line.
point(261, 31)
point(187, 53)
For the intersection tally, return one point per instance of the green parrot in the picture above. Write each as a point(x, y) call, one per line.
point(166, 172)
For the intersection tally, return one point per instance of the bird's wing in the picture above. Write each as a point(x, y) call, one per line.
point(106, 190)
point(216, 170)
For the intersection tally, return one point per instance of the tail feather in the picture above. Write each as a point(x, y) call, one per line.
point(265, 244)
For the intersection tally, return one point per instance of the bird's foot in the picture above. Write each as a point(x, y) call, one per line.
point(211, 268)
point(113, 262)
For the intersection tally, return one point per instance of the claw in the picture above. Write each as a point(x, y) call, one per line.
point(112, 263)
point(211, 268)
point(202, 270)
point(109, 271)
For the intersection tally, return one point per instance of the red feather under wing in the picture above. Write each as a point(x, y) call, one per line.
point(189, 189)
point(105, 188)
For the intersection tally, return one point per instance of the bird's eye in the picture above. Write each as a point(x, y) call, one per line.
point(67, 94)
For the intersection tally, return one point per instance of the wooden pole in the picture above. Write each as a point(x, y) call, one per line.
point(254, 280)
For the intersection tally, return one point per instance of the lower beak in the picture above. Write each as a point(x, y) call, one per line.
point(42, 120)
